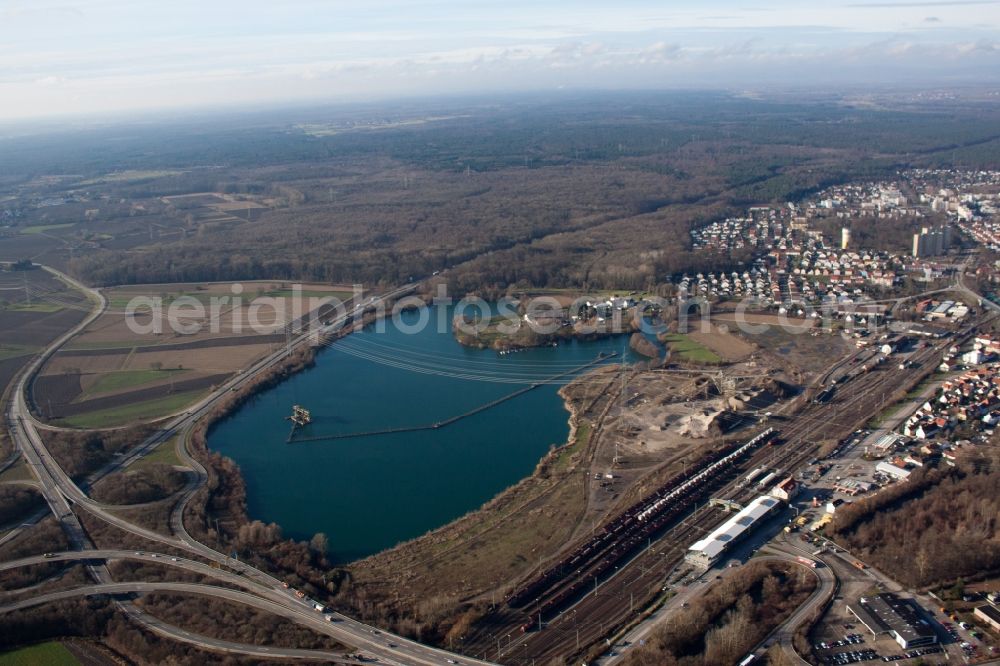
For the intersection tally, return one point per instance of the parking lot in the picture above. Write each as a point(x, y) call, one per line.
point(838, 627)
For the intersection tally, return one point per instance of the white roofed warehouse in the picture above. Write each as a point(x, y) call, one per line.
point(706, 552)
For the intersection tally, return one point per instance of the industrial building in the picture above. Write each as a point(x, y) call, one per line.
point(990, 615)
point(886, 444)
point(894, 471)
point(899, 618)
point(785, 489)
point(707, 551)
point(852, 487)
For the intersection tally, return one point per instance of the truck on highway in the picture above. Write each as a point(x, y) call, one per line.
point(806, 561)
point(318, 606)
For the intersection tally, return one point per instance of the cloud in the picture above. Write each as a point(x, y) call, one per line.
point(126, 51)
point(927, 3)
point(978, 47)
point(49, 81)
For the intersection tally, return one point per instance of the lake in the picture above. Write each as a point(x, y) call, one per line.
point(369, 493)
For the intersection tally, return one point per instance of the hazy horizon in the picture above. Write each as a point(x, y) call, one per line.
point(109, 56)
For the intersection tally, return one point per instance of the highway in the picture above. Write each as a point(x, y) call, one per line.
point(60, 492)
point(205, 642)
point(279, 601)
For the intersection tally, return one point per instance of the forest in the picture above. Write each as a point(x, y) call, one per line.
point(580, 191)
point(933, 529)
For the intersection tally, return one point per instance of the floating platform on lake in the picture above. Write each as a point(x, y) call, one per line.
point(300, 416)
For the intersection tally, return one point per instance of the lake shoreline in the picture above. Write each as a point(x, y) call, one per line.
point(521, 463)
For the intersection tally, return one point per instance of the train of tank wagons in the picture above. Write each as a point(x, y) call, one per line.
point(624, 535)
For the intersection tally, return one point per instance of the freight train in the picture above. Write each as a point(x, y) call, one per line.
point(623, 535)
point(864, 363)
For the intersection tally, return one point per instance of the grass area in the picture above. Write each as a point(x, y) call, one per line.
point(34, 307)
point(562, 461)
point(883, 416)
point(307, 293)
point(165, 298)
point(164, 453)
point(129, 176)
point(150, 409)
point(13, 351)
point(42, 228)
point(111, 344)
point(122, 379)
point(689, 350)
point(120, 300)
point(934, 378)
point(43, 654)
point(18, 472)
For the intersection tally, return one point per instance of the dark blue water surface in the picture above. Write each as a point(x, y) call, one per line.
point(369, 493)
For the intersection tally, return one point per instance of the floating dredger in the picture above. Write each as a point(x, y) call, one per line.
point(300, 416)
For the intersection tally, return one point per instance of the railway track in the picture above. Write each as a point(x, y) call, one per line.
point(637, 580)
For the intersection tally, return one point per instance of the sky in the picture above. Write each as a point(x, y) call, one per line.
point(68, 57)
